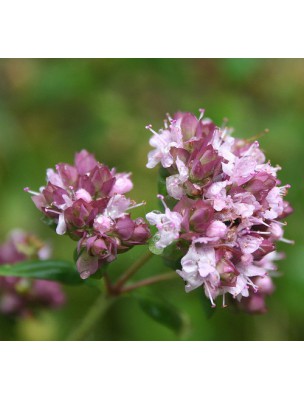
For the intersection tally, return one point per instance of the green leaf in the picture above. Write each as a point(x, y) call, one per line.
point(51, 270)
point(164, 313)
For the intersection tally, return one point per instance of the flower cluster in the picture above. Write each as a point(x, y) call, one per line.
point(87, 201)
point(19, 296)
point(228, 209)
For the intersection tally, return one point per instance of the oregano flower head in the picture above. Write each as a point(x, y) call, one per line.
point(226, 209)
point(21, 296)
point(87, 202)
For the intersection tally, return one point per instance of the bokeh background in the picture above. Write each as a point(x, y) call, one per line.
point(49, 109)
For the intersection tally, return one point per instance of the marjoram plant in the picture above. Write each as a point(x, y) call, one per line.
point(222, 212)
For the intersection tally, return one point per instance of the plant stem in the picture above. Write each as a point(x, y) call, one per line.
point(108, 283)
point(94, 314)
point(132, 270)
point(102, 304)
point(149, 281)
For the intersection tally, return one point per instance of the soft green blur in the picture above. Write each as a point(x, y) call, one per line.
point(49, 109)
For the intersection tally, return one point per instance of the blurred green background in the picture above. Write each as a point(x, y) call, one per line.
point(49, 109)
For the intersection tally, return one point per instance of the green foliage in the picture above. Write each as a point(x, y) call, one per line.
point(51, 270)
point(164, 313)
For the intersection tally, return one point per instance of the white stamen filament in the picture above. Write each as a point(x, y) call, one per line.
point(250, 283)
point(287, 241)
point(280, 223)
point(149, 127)
point(137, 205)
point(202, 112)
point(209, 294)
point(169, 117)
point(161, 197)
point(31, 191)
point(224, 303)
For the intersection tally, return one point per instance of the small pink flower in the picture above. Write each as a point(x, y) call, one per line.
point(123, 183)
point(117, 206)
point(163, 142)
point(175, 183)
point(168, 225)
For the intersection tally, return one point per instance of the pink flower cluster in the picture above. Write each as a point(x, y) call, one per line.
point(20, 296)
point(228, 209)
point(87, 201)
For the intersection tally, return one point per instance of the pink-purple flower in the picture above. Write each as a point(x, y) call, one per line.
point(227, 212)
point(21, 296)
point(87, 201)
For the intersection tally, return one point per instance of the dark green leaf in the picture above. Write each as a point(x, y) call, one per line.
point(52, 270)
point(164, 313)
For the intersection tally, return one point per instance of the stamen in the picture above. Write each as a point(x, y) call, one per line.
point(149, 127)
point(258, 136)
point(169, 117)
point(283, 189)
point(287, 241)
point(209, 294)
point(224, 305)
point(224, 132)
point(280, 223)
point(53, 211)
point(161, 197)
point(202, 112)
point(137, 205)
point(250, 283)
point(225, 122)
point(27, 189)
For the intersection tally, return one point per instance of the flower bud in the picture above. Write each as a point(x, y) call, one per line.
point(264, 284)
point(216, 229)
